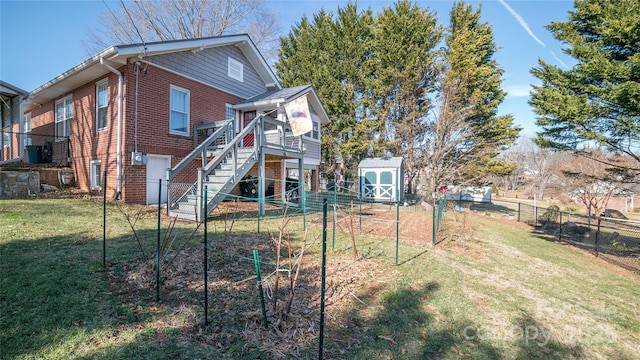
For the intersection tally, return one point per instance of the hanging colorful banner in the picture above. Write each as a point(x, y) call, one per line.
point(299, 116)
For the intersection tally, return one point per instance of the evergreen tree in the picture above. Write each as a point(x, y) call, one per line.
point(381, 78)
point(597, 101)
point(467, 135)
point(334, 56)
point(404, 55)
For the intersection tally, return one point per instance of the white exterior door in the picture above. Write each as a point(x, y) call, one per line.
point(157, 169)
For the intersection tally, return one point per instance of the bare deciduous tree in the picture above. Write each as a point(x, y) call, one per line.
point(541, 165)
point(162, 20)
point(591, 181)
point(513, 181)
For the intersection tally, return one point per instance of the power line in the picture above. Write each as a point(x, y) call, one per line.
point(134, 26)
point(124, 30)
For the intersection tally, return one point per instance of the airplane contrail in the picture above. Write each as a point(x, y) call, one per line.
point(564, 65)
point(523, 23)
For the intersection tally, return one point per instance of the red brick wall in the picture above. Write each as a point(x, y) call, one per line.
point(279, 179)
point(206, 105)
point(315, 180)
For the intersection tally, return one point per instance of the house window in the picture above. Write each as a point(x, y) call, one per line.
point(315, 131)
point(96, 167)
point(179, 118)
point(235, 69)
point(27, 129)
point(64, 113)
point(102, 99)
point(229, 112)
point(6, 137)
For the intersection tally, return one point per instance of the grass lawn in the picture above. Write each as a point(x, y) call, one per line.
point(491, 290)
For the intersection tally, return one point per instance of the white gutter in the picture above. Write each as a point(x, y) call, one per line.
point(119, 130)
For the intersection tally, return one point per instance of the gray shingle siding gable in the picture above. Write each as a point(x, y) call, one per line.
point(210, 67)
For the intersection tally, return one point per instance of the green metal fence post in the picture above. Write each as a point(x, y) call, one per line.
point(433, 229)
point(322, 286)
point(104, 220)
point(256, 261)
point(158, 243)
point(335, 215)
point(206, 259)
point(397, 214)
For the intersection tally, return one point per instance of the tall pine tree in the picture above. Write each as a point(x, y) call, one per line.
point(334, 56)
point(382, 79)
point(597, 101)
point(467, 134)
point(404, 56)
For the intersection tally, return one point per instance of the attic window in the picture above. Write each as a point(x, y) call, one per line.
point(235, 70)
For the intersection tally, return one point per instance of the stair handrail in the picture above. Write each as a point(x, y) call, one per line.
point(203, 172)
point(231, 145)
point(200, 150)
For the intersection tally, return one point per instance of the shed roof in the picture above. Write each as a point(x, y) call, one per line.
point(385, 162)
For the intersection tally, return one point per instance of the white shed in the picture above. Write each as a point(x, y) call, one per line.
point(381, 179)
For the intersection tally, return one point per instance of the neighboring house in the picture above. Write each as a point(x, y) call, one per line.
point(608, 196)
point(193, 106)
point(469, 193)
point(12, 129)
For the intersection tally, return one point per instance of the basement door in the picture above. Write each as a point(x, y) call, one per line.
point(157, 169)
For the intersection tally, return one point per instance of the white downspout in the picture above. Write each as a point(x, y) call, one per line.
point(119, 130)
point(23, 137)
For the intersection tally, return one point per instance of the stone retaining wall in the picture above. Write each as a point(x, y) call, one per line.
point(19, 184)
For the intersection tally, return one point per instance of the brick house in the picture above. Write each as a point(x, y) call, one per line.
point(167, 119)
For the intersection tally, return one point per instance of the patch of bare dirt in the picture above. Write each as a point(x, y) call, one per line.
point(235, 315)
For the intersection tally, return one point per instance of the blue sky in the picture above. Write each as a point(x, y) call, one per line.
point(41, 39)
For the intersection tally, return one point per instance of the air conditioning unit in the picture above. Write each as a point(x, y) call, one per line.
point(138, 158)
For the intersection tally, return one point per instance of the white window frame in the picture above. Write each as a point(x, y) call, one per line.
point(235, 69)
point(315, 131)
point(95, 170)
point(27, 129)
point(6, 137)
point(229, 112)
point(67, 108)
point(102, 85)
point(185, 112)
